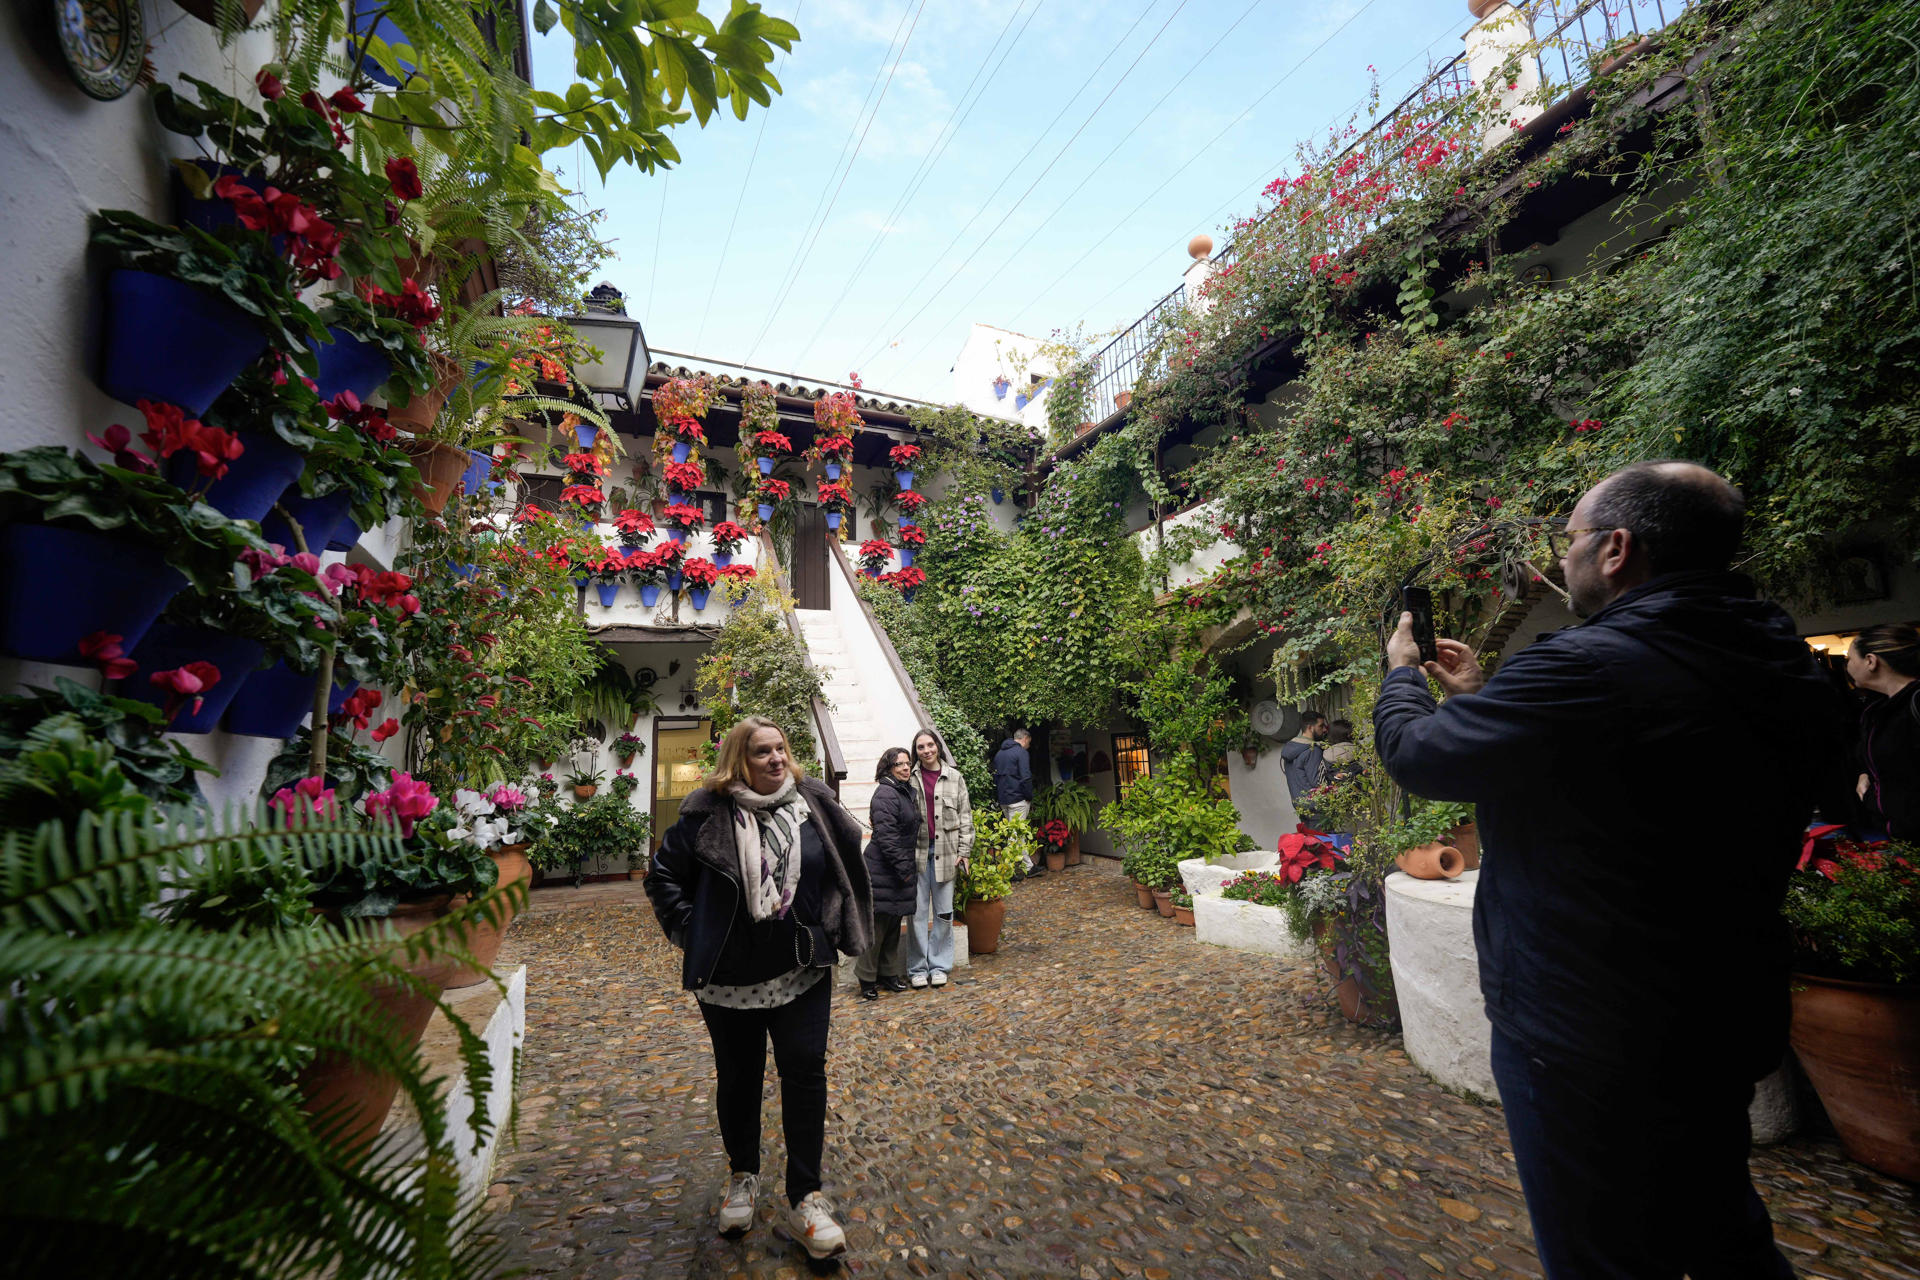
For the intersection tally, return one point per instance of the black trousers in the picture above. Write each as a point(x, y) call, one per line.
point(798, 1030)
point(1634, 1176)
point(887, 956)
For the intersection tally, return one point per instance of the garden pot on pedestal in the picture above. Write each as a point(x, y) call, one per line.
point(358, 1096)
point(349, 364)
point(1143, 895)
point(58, 586)
point(167, 646)
point(983, 925)
point(417, 413)
point(1163, 901)
point(483, 939)
point(254, 481)
point(1859, 1043)
point(173, 342)
point(440, 467)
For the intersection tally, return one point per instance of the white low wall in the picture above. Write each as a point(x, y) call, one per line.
point(1246, 926)
point(1436, 977)
point(1203, 877)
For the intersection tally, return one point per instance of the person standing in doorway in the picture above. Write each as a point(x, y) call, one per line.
point(760, 883)
point(1884, 663)
point(1302, 757)
point(1013, 782)
point(1679, 716)
point(894, 857)
point(946, 842)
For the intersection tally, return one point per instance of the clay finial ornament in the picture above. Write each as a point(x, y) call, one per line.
point(1201, 246)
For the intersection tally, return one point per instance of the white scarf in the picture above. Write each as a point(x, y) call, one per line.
point(766, 837)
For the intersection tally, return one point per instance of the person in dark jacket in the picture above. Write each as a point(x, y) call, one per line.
point(1013, 774)
point(1884, 663)
point(893, 866)
point(761, 883)
point(1642, 790)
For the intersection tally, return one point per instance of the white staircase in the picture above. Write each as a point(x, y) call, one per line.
point(861, 737)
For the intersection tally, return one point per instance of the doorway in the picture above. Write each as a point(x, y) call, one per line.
point(810, 588)
point(679, 762)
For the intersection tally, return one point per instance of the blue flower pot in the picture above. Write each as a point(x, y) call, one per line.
point(675, 579)
point(677, 535)
point(213, 213)
point(833, 519)
point(173, 342)
point(326, 521)
point(168, 646)
point(628, 548)
point(999, 496)
point(59, 586)
point(765, 509)
point(649, 595)
point(904, 479)
point(461, 570)
point(586, 433)
point(872, 571)
point(1020, 400)
point(607, 592)
point(273, 703)
point(1000, 389)
point(906, 523)
point(722, 559)
point(349, 364)
point(254, 480)
point(906, 556)
point(682, 451)
point(907, 594)
point(766, 466)
point(833, 471)
point(365, 23)
point(474, 478)
point(580, 580)
point(697, 597)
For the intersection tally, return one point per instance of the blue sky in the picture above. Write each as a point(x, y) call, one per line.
point(1062, 233)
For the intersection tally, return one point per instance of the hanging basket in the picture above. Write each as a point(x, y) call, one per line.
point(440, 467)
point(58, 586)
point(349, 364)
point(167, 646)
point(326, 521)
point(697, 597)
point(608, 592)
point(173, 342)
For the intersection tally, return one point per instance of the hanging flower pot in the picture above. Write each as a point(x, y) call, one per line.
point(608, 592)
point(907, 522)
point(1020, 400)
point(349, 364)
point(172, 342)
point(721, 559)
point(580, 581)
point(682, 450)
point(649, 595)
point(766, 466)
point(697, 597)
point(62, 585)
point(833, 519)
point(904, 479)
point(1000, 386)
point(833, 471)
point(765, 509)
point(326, 521)
point(440, 467)
point(872, 571)
point(167, 646)
point(213, 213)
point(675, 579)
point(906, 594)
point(418, 413)
point(677, 535)
point(274, 702)
point(254, 480)
point(906, 556)
point(999, 496)
point(1122, 399)
point(586, 433)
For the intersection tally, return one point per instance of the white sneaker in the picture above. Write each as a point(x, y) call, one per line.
point(919, 982)
point(937, 980)
point(813, 1225)
point(736, 1209)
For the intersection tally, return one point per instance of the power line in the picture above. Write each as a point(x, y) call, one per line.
point(948, 132)
point(934, 262)
point(1041, 176)
point(745, 181)
point(827, 212)
point(653, 280)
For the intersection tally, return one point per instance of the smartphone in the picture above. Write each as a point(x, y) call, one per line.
point(1418, 601)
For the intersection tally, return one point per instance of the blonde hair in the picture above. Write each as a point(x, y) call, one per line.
point(730, 766)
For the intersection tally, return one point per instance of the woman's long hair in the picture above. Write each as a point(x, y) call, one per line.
point(940, 748)
point(883, 771)
point(731, 765)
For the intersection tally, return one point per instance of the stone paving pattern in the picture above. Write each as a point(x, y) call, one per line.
point(1103, 1098)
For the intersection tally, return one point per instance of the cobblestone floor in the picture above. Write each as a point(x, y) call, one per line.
point(1104, 1097)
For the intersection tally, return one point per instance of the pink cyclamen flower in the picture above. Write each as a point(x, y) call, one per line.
point(385, 729)
point(407, 801)
point(309, 797)
point(104, 647)
point(508, 799)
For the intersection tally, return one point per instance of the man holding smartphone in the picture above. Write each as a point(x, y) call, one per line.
point(1642, 788)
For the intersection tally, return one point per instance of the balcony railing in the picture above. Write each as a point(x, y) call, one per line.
point(1572, 38)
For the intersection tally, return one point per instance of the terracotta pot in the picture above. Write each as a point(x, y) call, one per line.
point(1466, 838)
point(1860, 1045)
point(1353, 1003)
point(1056, 861)
point(1163, 899)
point(1122, 399)
point(1084, 428)
point(484, 939)
point(418, 413)
point(1183, 915)
point(581, 793)
point(1434, 861)
point(1623, 57)
point(1073, 849)
point(983, 926)
point(1481, 8)
point(1144, 894)
point(1249, 757)
point(357, 1094)
point(440, 467)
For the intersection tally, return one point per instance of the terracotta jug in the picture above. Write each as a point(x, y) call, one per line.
point(1434, 861)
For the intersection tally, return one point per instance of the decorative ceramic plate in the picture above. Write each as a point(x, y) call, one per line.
point(104, 42)
point(1268, 718)
point(646, 677)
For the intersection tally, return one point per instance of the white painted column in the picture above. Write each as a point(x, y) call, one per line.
point(1200, 249)
point(1436, 978)
point(1503, 32)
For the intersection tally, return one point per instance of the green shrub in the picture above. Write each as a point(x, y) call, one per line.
point(1168, 816)
point(601, 826)
point(1856, 915)
point(1003, 844)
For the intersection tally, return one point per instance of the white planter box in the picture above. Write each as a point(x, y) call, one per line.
point(1246, 926)
point(1202, 877)
point(1436, 978)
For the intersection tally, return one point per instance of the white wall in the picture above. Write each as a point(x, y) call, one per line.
point(1202, 562)
point(991, 352)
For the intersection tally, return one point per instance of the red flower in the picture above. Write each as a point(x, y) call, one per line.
point(586, 463)
point(910, 500)
point(104, 648)
point(385, 729)
point(585, 494)
point(119, 442)
point(913, 536)
point(875, 551)
point(170, 431)
point(1055, 833)
point(904, 455)
point(315, 103)
point(684, 476)
point(404, 177)
point(1301, 852)
point(739, 572)
point(685, 517)
point(269, 85)
point(347, 102)
point(183, 682)
point(727, 536)
point(632, 522)
point(701, 572)
point(774, 440)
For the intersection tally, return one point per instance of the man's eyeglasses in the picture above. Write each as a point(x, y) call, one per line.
point(1560, 541)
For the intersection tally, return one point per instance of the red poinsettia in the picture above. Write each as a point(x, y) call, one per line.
point(739, 572)
point(836, 446)
point(586, 495)
point(682, 516)
point(727, 537)
point(774, 441)
point(875, 552)
point(903, 456)
point(1304, 851)
point(586, 464)
point(773, 489)
point(911, 501)
point(905, 579)
point(669, 554)
point(685, 476)
point(634, 523)
point(835, 494)
point(913, 536)
point(701, 572)
point(1055, 833)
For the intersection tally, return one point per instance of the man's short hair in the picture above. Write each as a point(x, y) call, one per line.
point(1022, 733)
point(1685, 517)
point(1308, 719)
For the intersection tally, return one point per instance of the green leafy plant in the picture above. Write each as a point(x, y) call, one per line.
point(1003, 846)
point(757, 666)
point(603, 826)
point(244, 272)
point(1168, 816)
point(1430, 821)
point(1855, 914)
point(1073, 803)
point(157, 767)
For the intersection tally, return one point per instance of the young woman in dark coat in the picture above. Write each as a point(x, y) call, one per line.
point(761, 883)
point(893, 866)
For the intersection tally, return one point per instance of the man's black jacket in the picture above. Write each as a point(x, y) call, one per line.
point(1643, 782)
point(1012, 774)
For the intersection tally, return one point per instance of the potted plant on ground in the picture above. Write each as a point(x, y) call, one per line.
point(1854, 911)
point(602, 827)
point(1071, 802)
point(1183, 908)
point(1003, 844)
point(1054, 835)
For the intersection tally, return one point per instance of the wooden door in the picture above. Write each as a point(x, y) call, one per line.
point(810, 589)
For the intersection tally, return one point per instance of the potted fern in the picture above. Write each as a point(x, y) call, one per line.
point(1072, 803)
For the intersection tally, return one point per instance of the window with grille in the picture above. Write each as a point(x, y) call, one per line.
point(1129, 760)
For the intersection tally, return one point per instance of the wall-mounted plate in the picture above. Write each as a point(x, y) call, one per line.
point(104, 43)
